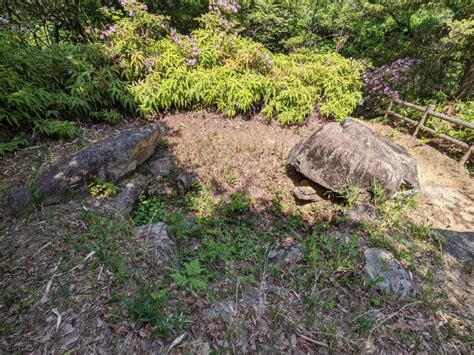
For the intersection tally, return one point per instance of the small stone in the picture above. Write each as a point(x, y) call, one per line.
point(191, 221)
point(358, 213)
point(185, 181)
point(285, 253)
point(362, 212)
point(161, 166)
point(388, 272)
point(157, 241)
point(305, 191)
point(129, 195)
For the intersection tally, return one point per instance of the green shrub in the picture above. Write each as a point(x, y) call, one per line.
point(147, 305)
point(465, 112)
point(191, 277)
point(233, 74)
point(49, 89)
point(140, 68)
point(16, 143)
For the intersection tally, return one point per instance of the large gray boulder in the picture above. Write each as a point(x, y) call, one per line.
point(337, 153)
point(109, 159)
point(387, 273)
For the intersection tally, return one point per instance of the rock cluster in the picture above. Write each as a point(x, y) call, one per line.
point(109, 159)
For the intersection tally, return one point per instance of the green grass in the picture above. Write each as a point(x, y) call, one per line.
point(226, 246)
point(350, 193)
point(148, 305)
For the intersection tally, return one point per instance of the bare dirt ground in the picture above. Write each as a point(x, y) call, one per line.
point(54, 300)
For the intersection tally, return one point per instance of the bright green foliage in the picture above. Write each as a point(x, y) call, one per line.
point(102, 190)
point(322, 252)
point(466, 113)
point(49, 88)
point(351, 193)
point(151, 211)
point(232, 73)
point(191, 276)
point(378, 193)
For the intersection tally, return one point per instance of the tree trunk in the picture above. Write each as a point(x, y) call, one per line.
point(467, 81)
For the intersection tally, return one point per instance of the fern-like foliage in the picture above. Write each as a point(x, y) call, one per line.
point(141, 66)
point(16, 143)
point(219, 68)
point(50, 88)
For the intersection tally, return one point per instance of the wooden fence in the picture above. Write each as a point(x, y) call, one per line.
point(427, 112)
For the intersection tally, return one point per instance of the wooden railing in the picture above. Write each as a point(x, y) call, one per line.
point(427, 112)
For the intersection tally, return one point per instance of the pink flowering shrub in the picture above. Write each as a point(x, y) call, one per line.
point(382, 83)
point(214, 66)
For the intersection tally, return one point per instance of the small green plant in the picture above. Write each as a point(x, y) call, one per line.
point(378, 193)
point(102, 189)
point(350, 193)
point(152, 210)
point(323, 252)
point(228, 172)
point(330, 304)
point(16, 143)
point(238, 203)
point(191, 277)
point(278, 200)
point(148, 305)
point(201, 202)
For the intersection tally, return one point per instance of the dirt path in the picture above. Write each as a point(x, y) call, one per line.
point(447, 190)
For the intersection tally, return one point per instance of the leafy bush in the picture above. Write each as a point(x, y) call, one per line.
point(148, 305)
point(142, 67)
point(191, 276)
point(50, 88)
point(381, 83)
point(465, 111)
point(150, 211)
point(216, 67)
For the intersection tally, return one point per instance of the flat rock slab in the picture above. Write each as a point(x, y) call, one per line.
point(387, 272)
point(307, 190)
point(337, 153)
point(109, 159)
point(359, 213)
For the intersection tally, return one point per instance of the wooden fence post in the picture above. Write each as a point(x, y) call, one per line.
point(466, 156)
point(388, 109)
point(423, 119)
